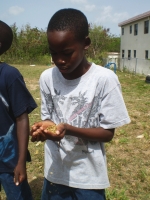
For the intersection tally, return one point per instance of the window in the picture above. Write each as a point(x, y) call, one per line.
point(129, 54)
point(146, 54)
point(146, 26)
point(122, 53)
point(134, 53)
point(135, 29)
point(130, 29)
point(122, 31)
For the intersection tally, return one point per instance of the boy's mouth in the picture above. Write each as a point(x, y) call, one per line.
point(63, 69)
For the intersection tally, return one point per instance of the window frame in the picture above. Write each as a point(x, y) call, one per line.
point(122, 31)
point(135, 29)
point(134, 53)
point(123, 53)
point(130, 29)
point(146, 27)
point(129, 54)
point(146, 54)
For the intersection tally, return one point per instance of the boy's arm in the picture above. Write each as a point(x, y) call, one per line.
point(22, 123)
point(96, 134)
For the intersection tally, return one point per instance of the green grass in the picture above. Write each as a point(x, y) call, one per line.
point(127, 156)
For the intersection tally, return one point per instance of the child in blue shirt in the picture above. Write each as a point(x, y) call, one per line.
point(15, 104)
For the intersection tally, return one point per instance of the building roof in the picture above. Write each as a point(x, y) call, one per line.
point(133, 19)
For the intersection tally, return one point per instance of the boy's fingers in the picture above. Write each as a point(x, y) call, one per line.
point(33, 139)
point(34, 136)
point(60, 128)
point(38, 136)
point(16, 179)
point(36, 125)
point(42, 137)
point(58, 132)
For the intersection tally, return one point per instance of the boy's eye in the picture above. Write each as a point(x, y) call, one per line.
point(65, 53)
point(68, 53)
point(52, 53)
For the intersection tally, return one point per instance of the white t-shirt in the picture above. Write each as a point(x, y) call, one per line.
point(93, 100)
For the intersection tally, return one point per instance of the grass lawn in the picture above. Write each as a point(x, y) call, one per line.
point(128, 154)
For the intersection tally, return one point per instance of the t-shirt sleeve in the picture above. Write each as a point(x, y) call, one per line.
point(113, 112)
point(20, 98)
point(46, 99)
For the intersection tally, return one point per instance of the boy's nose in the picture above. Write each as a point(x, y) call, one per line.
point(61, 61)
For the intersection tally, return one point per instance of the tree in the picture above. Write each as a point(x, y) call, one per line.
point(114, 44)
point(99, 43)
point(29, 44)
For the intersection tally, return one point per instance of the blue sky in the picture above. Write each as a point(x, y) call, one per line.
point(37, 13)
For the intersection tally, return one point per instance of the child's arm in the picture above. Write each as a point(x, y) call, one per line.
point(22, 123)
point(95, 134)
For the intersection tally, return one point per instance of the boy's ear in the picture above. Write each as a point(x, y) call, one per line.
point(87, 42)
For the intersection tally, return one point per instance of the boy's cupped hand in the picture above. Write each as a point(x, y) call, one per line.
point(44, 130)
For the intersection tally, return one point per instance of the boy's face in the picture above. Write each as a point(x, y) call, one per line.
point(68, 53)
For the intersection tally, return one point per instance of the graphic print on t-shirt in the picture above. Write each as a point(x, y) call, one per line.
point(78, 108)
point(74, 110)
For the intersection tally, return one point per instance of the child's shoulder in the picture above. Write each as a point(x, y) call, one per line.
point(103, 72)
point(9, 70)
point(48, 72)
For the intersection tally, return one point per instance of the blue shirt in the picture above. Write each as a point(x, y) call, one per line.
point(15, 99)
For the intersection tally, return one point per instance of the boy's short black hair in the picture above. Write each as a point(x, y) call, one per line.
point(70, 19)
point(6, 37)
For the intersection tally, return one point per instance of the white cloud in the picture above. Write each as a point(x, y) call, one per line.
point(107, 15)
point(84, 3)
point(3, 16)
point(78, 1)
point(16, 10)
point(118, 17)
point(107, 10)
point(89, 7)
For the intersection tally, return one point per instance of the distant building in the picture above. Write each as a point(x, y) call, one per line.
point(135, 43)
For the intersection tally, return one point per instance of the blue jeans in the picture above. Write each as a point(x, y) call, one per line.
point(13, 192)
point(53, 191)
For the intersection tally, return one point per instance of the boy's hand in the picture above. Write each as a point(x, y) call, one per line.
point(41, 125)
point(37, 130)
point(44, 130)
point(20, 173)
point(56, 133)
point(61, 129)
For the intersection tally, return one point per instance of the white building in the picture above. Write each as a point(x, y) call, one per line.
point(135, 43)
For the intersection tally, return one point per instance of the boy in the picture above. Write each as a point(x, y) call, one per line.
point(15, 104)
point(85, 102)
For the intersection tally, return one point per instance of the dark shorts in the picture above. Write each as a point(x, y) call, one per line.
point(53, 191)
point(13, 192)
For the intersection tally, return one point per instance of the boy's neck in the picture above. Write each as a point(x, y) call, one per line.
point(78, 72)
